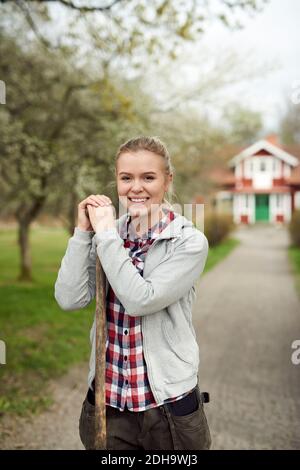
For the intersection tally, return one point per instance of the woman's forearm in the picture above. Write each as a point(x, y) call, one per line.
point(75, 284)
point(168, 281)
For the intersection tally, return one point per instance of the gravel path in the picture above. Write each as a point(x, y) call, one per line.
point(246, 317)
point(56, 428)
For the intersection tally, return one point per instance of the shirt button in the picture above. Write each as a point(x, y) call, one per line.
point(126, 381)
point(125, 358)
point(126, 332)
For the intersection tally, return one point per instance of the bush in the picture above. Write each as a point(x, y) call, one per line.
point(217, 227)
point(294, 228)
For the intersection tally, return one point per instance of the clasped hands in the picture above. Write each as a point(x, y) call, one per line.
point(102, 217)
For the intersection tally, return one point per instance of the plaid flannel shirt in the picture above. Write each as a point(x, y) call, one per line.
point(127, 383)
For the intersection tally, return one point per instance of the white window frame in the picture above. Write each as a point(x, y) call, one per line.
point(276, 168)
point(238, 171)
point(248, 168)
point(264, 163)
point(279, 202)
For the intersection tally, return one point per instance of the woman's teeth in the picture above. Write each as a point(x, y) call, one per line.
point(138, 200)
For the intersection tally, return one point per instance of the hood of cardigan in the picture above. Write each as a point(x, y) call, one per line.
point(173, 229)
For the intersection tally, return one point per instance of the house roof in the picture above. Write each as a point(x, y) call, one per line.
point(293, 150)
point(294, 179)
point(222, 175)
point(269, 147)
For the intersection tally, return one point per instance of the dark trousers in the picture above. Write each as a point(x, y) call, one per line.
point(180, 425)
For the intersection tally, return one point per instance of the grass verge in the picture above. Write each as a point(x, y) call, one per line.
point(42, 341)
point(219, 252)
point(294, 256)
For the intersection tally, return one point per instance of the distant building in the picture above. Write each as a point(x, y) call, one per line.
point(262, 183)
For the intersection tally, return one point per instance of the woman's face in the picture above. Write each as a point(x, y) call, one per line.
point(141, 181)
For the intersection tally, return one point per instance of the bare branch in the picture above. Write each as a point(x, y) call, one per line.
point(21, 4)
point(84, 9)
point(74, 6)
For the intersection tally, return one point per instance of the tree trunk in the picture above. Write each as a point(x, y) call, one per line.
point(26, 265)
point(26, 215)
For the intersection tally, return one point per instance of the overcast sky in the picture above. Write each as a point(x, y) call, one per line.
point(274, 36)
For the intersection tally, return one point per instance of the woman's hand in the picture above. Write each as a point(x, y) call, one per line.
point(102, 217)
point(92, 201)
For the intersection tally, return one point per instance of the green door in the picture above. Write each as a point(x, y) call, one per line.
point(261, 207)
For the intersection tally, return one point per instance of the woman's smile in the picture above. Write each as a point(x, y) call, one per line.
point(138, 200)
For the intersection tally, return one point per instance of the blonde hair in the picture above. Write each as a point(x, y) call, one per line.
point(156, 146)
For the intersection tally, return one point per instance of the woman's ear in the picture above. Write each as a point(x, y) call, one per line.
point(168, 181)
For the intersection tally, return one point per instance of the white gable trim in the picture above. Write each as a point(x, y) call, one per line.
point(264, 144)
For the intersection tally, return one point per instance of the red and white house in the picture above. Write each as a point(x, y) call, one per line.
point(261, 184)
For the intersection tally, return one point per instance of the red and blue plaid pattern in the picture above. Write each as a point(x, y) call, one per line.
point(127, 381)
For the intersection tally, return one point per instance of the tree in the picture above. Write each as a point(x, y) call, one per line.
point(25, 168)
point(244, 125)
point(51, 129)
point(290, 124)
point(159, 27)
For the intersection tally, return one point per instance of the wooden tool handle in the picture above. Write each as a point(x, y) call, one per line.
point(100, 360)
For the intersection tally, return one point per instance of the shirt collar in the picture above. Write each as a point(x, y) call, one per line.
point(174, 229)
point(153, 232)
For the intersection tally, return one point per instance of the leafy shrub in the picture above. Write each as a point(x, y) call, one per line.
point(217, 227)
point(294, 228)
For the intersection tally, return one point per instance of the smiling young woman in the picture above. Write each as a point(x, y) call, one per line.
point(144, 175)
point(152, 257)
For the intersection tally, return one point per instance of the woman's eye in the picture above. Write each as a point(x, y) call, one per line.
point(147, 178)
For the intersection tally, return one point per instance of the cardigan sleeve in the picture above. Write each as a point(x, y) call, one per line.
point(75, 286)
point(168, 281)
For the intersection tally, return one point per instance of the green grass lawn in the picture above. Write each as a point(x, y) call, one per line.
point(294, 255)
point(42, 341)
point(217, 253)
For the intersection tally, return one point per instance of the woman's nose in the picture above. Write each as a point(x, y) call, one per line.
point(137, 186)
